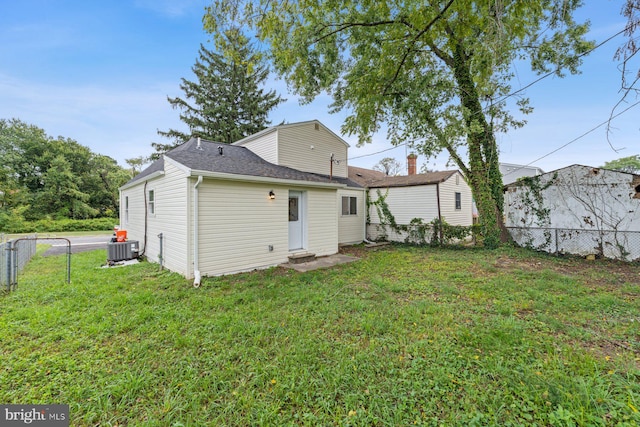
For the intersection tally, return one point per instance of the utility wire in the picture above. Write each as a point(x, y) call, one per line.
point(378, 152)
point(550, 73)
point(578, 138)
point(509, 95)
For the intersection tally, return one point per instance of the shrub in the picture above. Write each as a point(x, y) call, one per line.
point(50, 225)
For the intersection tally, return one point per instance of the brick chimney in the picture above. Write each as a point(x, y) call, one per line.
point(411, 163)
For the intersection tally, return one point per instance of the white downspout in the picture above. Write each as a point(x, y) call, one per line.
point(196, 216)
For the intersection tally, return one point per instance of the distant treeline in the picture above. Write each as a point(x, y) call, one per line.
point(46, 178)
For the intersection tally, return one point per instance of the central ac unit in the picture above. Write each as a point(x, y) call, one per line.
point(122, 251)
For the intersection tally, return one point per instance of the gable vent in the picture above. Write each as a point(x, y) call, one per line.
point(316, 126)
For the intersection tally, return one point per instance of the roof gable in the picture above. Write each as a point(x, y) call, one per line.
point(198, 155)
point(285, 126)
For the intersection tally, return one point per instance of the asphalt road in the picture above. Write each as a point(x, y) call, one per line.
point(78, 244)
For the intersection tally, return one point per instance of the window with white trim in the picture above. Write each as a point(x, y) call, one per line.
point(151, 202)
point(349, 205)
point(458, 201)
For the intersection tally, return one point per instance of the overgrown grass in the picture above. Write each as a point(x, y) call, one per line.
point(405, 336)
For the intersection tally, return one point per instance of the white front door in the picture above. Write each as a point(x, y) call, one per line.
point(296, 221)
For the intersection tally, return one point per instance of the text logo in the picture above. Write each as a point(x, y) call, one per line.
point(34, 415)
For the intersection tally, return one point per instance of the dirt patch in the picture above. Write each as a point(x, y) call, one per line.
point(505, 262)
point(600, 272)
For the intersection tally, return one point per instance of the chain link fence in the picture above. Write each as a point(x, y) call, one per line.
point(14, 255)
point(621, 245)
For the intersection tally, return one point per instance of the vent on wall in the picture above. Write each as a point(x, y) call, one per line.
point(316, 126)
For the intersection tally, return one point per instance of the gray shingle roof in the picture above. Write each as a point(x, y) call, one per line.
point(237, 160)
point(363, 176)
point(374, 179)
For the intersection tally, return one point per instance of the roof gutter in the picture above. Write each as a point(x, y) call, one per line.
point(149, 177)
point(263, 179)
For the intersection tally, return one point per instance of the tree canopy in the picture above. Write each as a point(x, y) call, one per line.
point(436, 73)
point(42, 177)
point(630, 164)
point(389, 166)
point(227, 102)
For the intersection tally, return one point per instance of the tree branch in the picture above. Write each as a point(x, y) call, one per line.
point(347, 25)
point(413, 43)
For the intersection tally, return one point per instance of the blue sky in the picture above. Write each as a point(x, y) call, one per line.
point(99, 72)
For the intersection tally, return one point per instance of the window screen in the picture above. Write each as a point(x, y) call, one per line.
point(349, 205)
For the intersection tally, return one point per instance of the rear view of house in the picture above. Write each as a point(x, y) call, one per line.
point(207, 208)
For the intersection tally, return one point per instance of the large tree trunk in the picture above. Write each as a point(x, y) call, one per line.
point(484, 169)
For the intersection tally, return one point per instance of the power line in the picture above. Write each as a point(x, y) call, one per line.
point(509, 95)
point(550, 73)
point(581, 136)
point(378, 152)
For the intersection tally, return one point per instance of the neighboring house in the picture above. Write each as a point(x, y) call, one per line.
point(511, 172)
point(225, 208)
point(577, 209)
point(428, 196)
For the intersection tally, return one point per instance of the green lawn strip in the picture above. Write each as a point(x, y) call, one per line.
point(404, 336)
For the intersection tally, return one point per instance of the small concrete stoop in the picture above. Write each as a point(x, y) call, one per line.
point(301, 257)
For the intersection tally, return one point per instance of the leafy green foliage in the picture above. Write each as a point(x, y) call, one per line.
point(436, 233)
point(389, 166)
point(42, 177)
point(448, 234)
point(437, 73)
point(14, 224)
point(405, 336)
point(226, 103)
point(630, 164)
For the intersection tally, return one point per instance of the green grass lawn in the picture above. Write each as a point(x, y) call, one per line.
point(405, 336)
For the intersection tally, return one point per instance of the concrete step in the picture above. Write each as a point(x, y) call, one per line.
point(299, 258)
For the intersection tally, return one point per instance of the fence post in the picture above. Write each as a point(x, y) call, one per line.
point(68, 261)
point(15, 250)
point(8, 250)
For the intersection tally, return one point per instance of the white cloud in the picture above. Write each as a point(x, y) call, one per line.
point(115, 121)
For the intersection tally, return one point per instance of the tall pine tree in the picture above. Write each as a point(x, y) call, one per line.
point(226, 103)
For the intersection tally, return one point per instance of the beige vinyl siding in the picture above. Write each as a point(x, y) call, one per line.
point(450, 214)
point(265, 146)
point(322, 223)
point(170, 218)
point(307, 149)
point(237, 224)
point(406, 203)
point(135, 224)
point(351, 227)
point(377, 232)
